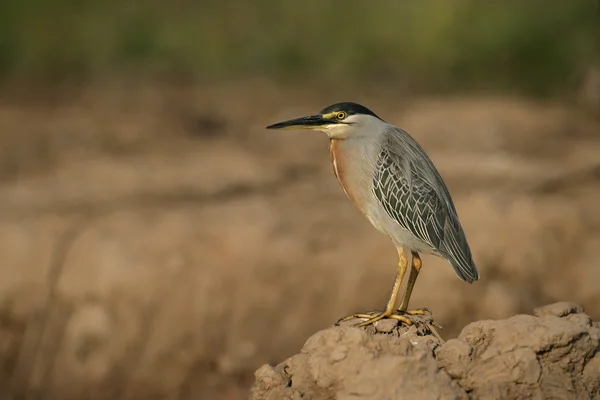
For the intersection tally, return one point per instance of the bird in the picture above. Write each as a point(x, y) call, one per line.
point(390, 179)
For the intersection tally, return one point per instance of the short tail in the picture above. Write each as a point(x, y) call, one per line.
point(456, 250)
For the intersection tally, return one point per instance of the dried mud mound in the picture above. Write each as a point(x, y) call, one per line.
point(553, 354)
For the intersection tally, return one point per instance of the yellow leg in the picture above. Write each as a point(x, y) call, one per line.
point(415, 268)
point(389, 309)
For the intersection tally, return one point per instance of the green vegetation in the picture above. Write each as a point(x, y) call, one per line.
point(533, 46)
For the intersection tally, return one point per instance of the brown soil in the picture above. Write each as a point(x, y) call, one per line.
point(158, 241)
point(554, 354)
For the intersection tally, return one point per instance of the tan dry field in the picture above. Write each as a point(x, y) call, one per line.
point(158, 242)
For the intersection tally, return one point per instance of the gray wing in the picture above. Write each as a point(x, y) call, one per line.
point(413, 193)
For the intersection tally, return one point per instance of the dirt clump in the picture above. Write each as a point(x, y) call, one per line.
point(551, 354)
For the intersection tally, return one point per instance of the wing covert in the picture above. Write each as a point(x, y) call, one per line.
point(412, 192)
point(409, 199)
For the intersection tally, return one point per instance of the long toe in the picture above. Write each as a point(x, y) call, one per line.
point(374, 319)
point(417, 311)
point(361, 315)
point(370, 317)
point(402, 318)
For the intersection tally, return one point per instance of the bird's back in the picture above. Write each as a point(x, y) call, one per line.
point(413, 194)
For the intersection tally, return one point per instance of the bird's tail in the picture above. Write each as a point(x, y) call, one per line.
point(457, 251)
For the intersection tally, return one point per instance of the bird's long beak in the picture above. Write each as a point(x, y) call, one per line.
point(310, 122)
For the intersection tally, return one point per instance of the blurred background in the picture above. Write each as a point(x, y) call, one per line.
point(158, 242)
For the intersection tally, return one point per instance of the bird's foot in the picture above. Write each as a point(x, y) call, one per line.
point(371, 317)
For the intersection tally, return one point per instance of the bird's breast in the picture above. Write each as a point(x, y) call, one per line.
point(350, 177)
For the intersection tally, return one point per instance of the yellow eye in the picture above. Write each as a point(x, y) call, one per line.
point(341, 115)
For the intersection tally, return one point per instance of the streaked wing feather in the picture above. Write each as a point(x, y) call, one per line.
point(412, 192)
point(409, 200)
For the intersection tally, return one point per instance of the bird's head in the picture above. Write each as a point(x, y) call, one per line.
point(339, 121)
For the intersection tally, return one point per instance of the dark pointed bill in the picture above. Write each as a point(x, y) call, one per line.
point(302, 123)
